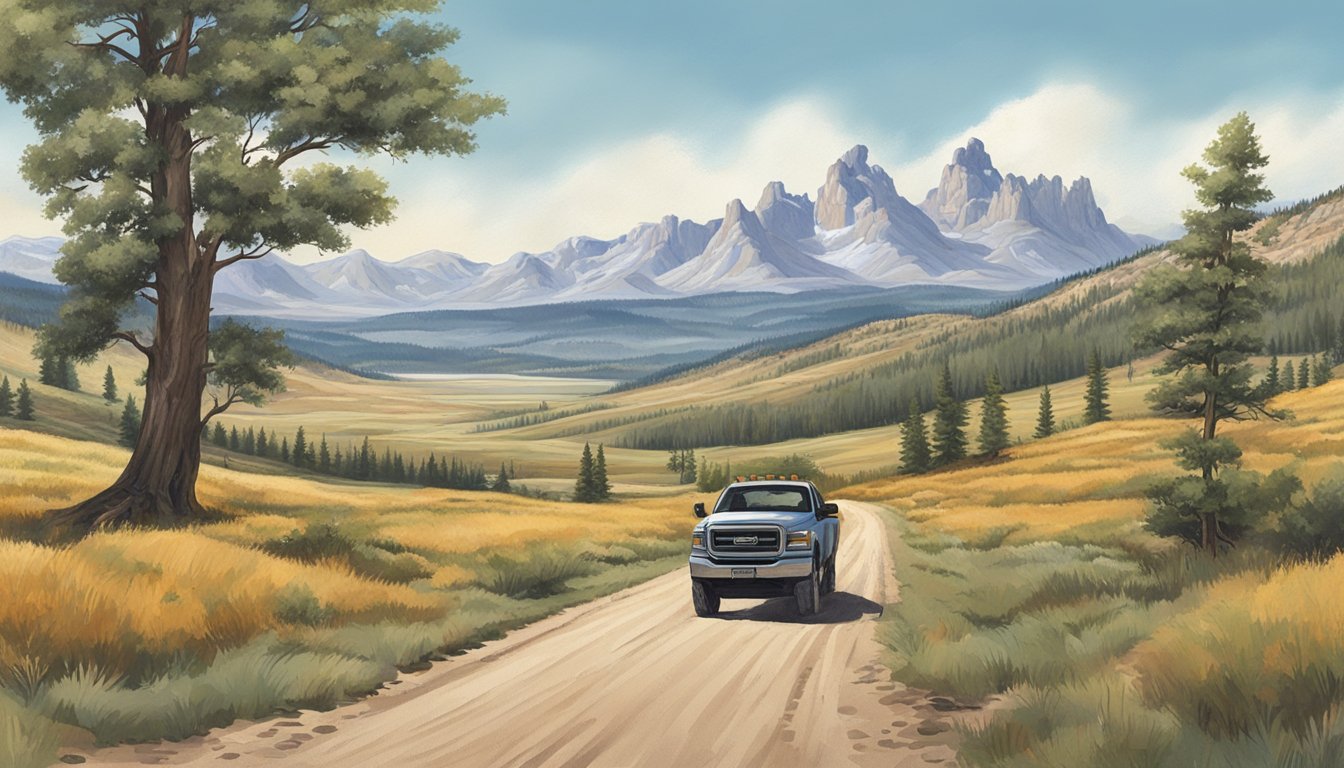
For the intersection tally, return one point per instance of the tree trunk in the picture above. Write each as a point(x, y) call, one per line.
point(158, 485)
point(1210, 519)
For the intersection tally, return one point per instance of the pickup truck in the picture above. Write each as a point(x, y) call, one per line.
point(765, 538)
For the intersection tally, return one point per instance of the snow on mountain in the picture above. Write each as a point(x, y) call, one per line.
point(978, 228)
point(30, 257)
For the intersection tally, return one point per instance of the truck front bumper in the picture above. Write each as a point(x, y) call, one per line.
point(785, 568)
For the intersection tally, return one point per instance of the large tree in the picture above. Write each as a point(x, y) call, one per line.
point(949, 421)
point(1205, 310)
point(177, 138)
point(993, 418)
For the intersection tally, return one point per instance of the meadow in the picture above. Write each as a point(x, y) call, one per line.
point(301, 594)
point(1032, 596)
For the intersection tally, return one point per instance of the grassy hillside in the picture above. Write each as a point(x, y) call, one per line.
point(305, 594)
point(1030, 585)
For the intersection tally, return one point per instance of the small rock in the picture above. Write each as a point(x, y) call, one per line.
point(73, 759)
point(325, 729)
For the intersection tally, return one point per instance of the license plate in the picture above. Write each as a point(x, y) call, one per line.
point(744, 573)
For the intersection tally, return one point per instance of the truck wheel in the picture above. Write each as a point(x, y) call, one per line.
point(807, 593)
point(828, 581)
point(703, 598)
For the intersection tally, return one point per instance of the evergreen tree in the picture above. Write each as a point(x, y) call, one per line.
point(235, 440)
point(6, 399)
point(1045, 415)
point(110, 386)
point(601, 484)
point(501, 484)
point(1320, 370)
point(263, 445)
point(1095, 406)
point(23, 406)
point(49, 371)
point(324, 455)
point(1205, 310)
point(993, 418)
point(69, 378)
point(949, 421)
point(1272, 383)
point(1303, 374)
point(300, 448)
point(284, 449)
point(130, 423)
point(1338, 351)
point(219, 437)
point(914, 442)
point(1289, 378)
point(583, 485)
point(250, 442)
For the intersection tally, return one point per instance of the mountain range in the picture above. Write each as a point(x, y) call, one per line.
point(977, 228)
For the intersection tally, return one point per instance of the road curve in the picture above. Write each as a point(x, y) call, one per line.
point(633, 679)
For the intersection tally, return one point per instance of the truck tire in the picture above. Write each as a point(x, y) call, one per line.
point(828, 580)
point(704, 599)
point(807, 593)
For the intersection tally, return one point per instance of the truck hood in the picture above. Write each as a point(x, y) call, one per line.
point(786, 519)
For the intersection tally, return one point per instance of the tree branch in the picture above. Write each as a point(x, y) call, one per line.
point(308, 145)
point(260, 252)
point(105, 44)
point(218, 408)
point(129, 337)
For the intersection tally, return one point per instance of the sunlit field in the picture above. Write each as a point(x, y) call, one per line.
point(303, 593)
point(1030, 581)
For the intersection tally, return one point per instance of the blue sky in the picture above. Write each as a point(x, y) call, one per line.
point(624, 111)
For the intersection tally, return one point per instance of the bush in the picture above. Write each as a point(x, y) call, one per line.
point(297, 604)
point(1313, 529)
point(538, 572)
point(379, 559)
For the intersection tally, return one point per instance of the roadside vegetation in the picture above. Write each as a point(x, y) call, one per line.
point(301, 594)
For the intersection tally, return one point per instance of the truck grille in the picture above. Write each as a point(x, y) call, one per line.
point(745, 540)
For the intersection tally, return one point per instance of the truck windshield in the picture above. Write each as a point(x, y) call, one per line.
point(771, 498)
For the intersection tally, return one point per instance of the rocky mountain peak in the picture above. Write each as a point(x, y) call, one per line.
point(964, 191)
point(850, 181)
point(784, 214)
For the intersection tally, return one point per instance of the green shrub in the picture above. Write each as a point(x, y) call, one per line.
point(296, 604)
point(1315, 528)
point(537, 572)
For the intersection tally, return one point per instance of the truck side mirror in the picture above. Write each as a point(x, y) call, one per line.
point(829, 509)
point(700, 509)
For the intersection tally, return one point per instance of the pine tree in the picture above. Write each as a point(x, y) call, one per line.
point(23, 406)
point(130, 423)
point(235, 440)
point(250, 442)
point(109, 386)
point(1205, 309)
point(1320, 370)
point(6, 399)
point(949, 421)
point(69, 378)
point(1095, 407)
point(1338, 351)
point(219, 437)
point(284, 449)
point(583, 486)
point(49, 371)
point(501, 484)
point(263, 445)
point(1045, 415)
point(1271, 383)
point(993, 418)
point(601, 484)
point(324, 456)
point(300, 448)
point(914, 442)
point(1304, 374)
point(1289, 378)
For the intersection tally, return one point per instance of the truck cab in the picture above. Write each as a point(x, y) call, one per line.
point(765, 538)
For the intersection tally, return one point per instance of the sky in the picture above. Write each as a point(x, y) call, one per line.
point(621, 112)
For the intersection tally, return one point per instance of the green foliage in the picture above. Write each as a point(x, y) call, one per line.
point(683, 463)
point(949, 421)
point(584, 490)
point(6, 399)
point(601, 484)
point(1095, 405)
point(1045, 415)
point(129, 431)
point(1320, 370)
point(1289, 378)
point(245, 365)
point(23, 404)
point(1272, 383)
point(379, 560)
point(537, 572)
point(1304, 374)
point(110, 386)
point(501, 484)
point(993, 418)
point(915, 455)
point(1315, 527)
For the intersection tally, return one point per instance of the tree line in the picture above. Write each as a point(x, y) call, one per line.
point(357, 461)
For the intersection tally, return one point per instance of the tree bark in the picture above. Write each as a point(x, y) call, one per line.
point(158, 485)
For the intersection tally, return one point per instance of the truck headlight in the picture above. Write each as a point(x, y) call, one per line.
point(697, 540)
point(800, 540)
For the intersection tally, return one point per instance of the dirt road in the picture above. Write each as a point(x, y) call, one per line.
point(634, 679)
